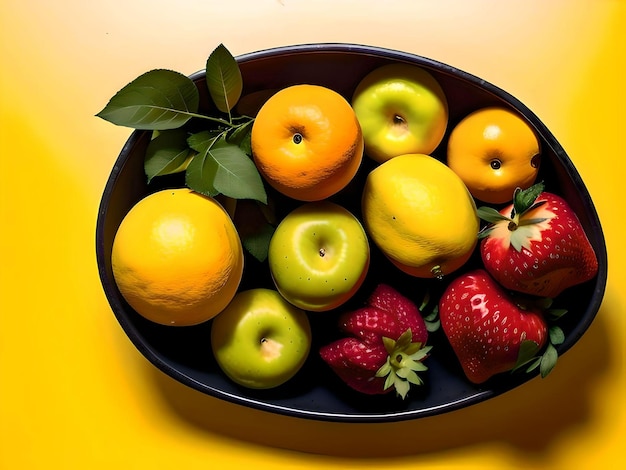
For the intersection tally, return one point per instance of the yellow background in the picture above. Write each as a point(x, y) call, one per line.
point(74, 392)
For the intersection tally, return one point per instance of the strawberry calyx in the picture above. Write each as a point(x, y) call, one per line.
point(430, 313)
point(403, 363)
point(524, 222)
point(530, 357)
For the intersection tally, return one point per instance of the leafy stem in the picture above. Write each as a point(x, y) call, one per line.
point(223, 122)
point(216, 157)
point(166, 101)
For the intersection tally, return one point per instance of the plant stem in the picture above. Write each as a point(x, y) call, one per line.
point(210, 118)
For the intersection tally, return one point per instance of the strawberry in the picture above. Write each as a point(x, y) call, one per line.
point(388, 313)
point(357, 363)
point(488, 331)
point(536, 245)
point(385, 347)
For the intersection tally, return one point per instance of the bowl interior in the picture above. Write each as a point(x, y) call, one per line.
point(185, 353)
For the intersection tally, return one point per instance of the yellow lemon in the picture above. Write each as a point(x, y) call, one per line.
point(177, 258)
point(421, 215)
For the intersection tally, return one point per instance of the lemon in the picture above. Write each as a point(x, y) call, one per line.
point(420, 215)
point(177, 258)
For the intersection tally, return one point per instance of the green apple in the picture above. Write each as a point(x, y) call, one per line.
point(402, 109)
point(319, 256)
point(260, 340)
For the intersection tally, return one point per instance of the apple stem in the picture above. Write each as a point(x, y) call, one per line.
point(322, 252)
point(437, 272)
point(399, 120)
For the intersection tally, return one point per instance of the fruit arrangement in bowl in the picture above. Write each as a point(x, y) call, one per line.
point(344, 232)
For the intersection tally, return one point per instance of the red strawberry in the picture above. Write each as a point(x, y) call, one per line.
point(536, 245)
point(356, 363)
point(386, 345)
point(388, 313)
point(487, 330)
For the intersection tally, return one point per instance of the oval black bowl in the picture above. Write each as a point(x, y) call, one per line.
point(185, 353)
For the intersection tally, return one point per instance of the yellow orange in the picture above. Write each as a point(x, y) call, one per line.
point(494, 151)
point(177, 258)
point(420, 214)
point(307, 142)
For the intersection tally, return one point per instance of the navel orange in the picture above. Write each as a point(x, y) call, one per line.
point(307, 142)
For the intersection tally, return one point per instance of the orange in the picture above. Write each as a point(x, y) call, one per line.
point(177, 258)
point(307, 142)
point(420, 214)
point(494, 151)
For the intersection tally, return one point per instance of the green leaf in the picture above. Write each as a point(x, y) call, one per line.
point(389, 382)
point(409, 375)
point(157, 100)
point(412, 350)
point(258, 243)
point(237, 175)
point(390, 345)
point(491, 215)
point(224, 79)
point(527, 351)
point(524, 199)
point(167, 153)
point(384, 370)
point(533, 364)
point(202, 141)
point(556, 313)
point(269, 213)
point(223, 168)
point(556, 335)
point(432, 326)
point(200, 174)
point(415, 363)
point(548, 360)
point(535, 221)
point(402, 388)
point(241, 136)
point(433, 315)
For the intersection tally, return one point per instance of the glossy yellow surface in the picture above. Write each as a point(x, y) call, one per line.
point(420, 214)
point(75, 393)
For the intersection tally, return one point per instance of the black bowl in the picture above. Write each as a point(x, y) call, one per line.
point(184, 353)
